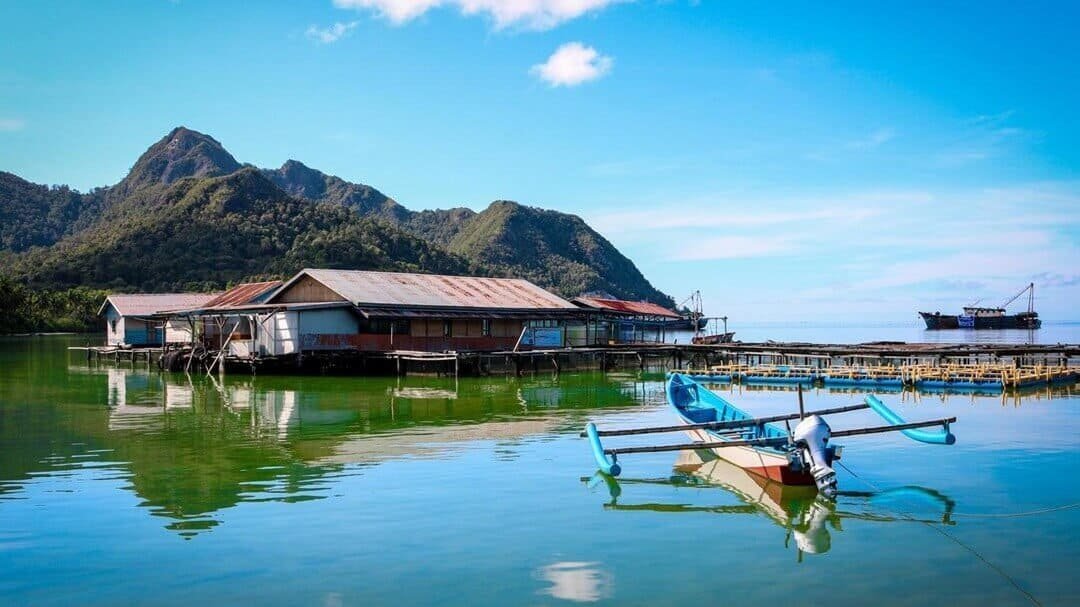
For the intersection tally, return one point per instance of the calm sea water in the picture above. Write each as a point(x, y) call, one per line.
point(1052, 332)
point(122, 486)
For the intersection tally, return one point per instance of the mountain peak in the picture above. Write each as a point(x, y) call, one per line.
point(182, 153)
point(298, 179)
point(295, 165)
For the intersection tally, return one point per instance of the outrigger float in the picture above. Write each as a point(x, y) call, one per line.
point(803, 456)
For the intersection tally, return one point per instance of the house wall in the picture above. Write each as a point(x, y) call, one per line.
point(307, 290)
point(425, 334)
point(332, 320)
point(285, 337)
point(289, 332)
point(433, 327)
point(114, 327)
point(130, 331)
point(327, 329)
point(178, 331)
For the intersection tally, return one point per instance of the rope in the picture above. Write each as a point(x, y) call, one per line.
point(1018, 514)
point(973, 551)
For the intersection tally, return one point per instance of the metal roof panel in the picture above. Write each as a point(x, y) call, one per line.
point(364, 287)
point(244, 293)
point(145, 304)
point(643, 308)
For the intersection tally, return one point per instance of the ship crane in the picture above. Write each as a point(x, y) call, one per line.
point(697, 312)
point(1030, 290)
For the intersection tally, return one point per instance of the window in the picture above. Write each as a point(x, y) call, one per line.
point(113, 324)
point(447, 328)
point(485, 327)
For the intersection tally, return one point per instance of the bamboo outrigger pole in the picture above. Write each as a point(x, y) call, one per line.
point(742, 423)
point(772, 442)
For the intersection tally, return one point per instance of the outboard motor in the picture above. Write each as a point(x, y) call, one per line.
point(811, 436)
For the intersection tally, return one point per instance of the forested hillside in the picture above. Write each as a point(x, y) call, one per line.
point(189, 216)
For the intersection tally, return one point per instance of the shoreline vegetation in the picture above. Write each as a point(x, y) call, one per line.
point(34, 311)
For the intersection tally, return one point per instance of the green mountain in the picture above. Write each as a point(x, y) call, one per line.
point(180, 154)
point(190, 216)
point(299, 180)
point(204, 233)
point(34, 215)
point(546, 247)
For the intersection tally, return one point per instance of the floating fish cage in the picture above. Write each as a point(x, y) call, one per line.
point(979, 377)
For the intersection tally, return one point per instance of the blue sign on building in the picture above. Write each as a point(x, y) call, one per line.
point(544, 337)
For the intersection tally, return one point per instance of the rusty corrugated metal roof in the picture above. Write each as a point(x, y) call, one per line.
point(411, 312)
point(145, 304)
point(367, 288)
point(244, 293)
point(642, 308)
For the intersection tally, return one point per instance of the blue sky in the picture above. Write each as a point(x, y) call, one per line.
point(789, 160)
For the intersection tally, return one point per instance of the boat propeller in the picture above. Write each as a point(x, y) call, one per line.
point(811, 437)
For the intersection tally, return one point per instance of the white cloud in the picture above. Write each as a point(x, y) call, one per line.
point(332, 33)
point(735, 247)
point(533, 14)
point(397, 11)
point(11, 124)
point(727, 212)
point(572, 64)
point(982, 138)
point(860, 243)
point(875, 139)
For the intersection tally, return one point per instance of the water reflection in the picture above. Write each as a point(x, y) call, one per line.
point(577, 581)
point(807, 519)
point(191, 447)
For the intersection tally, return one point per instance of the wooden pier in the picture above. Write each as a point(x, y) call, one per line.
point(97, 354)
point(1011, 365)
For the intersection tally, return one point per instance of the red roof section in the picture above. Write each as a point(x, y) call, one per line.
point(243, 293)
point(642, 308)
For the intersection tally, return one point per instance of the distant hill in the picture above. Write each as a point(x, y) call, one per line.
point(33, 215)
point(204, 233)
point(299, 180)
point(547, 247)
point(190, 216)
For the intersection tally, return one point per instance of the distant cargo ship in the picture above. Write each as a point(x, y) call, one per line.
point(987, 318)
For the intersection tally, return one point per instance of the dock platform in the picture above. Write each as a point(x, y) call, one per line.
point(874, 364)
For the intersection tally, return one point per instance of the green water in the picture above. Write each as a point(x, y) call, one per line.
point(122, 486)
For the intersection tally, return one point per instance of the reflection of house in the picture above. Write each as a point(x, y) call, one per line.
point(321, 310)
point(428, 442)
point(632, 321)
point(134, 399)
point(130, 321)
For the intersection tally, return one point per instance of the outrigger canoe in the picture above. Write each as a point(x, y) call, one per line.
point(803, 456)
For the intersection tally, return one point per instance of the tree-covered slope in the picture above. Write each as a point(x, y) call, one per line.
point(205, 233)
point(302, 181)
point(551, 248)
point(189, 215)
point(34, 215)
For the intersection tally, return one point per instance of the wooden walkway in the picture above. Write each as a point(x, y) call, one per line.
point(763, 356)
